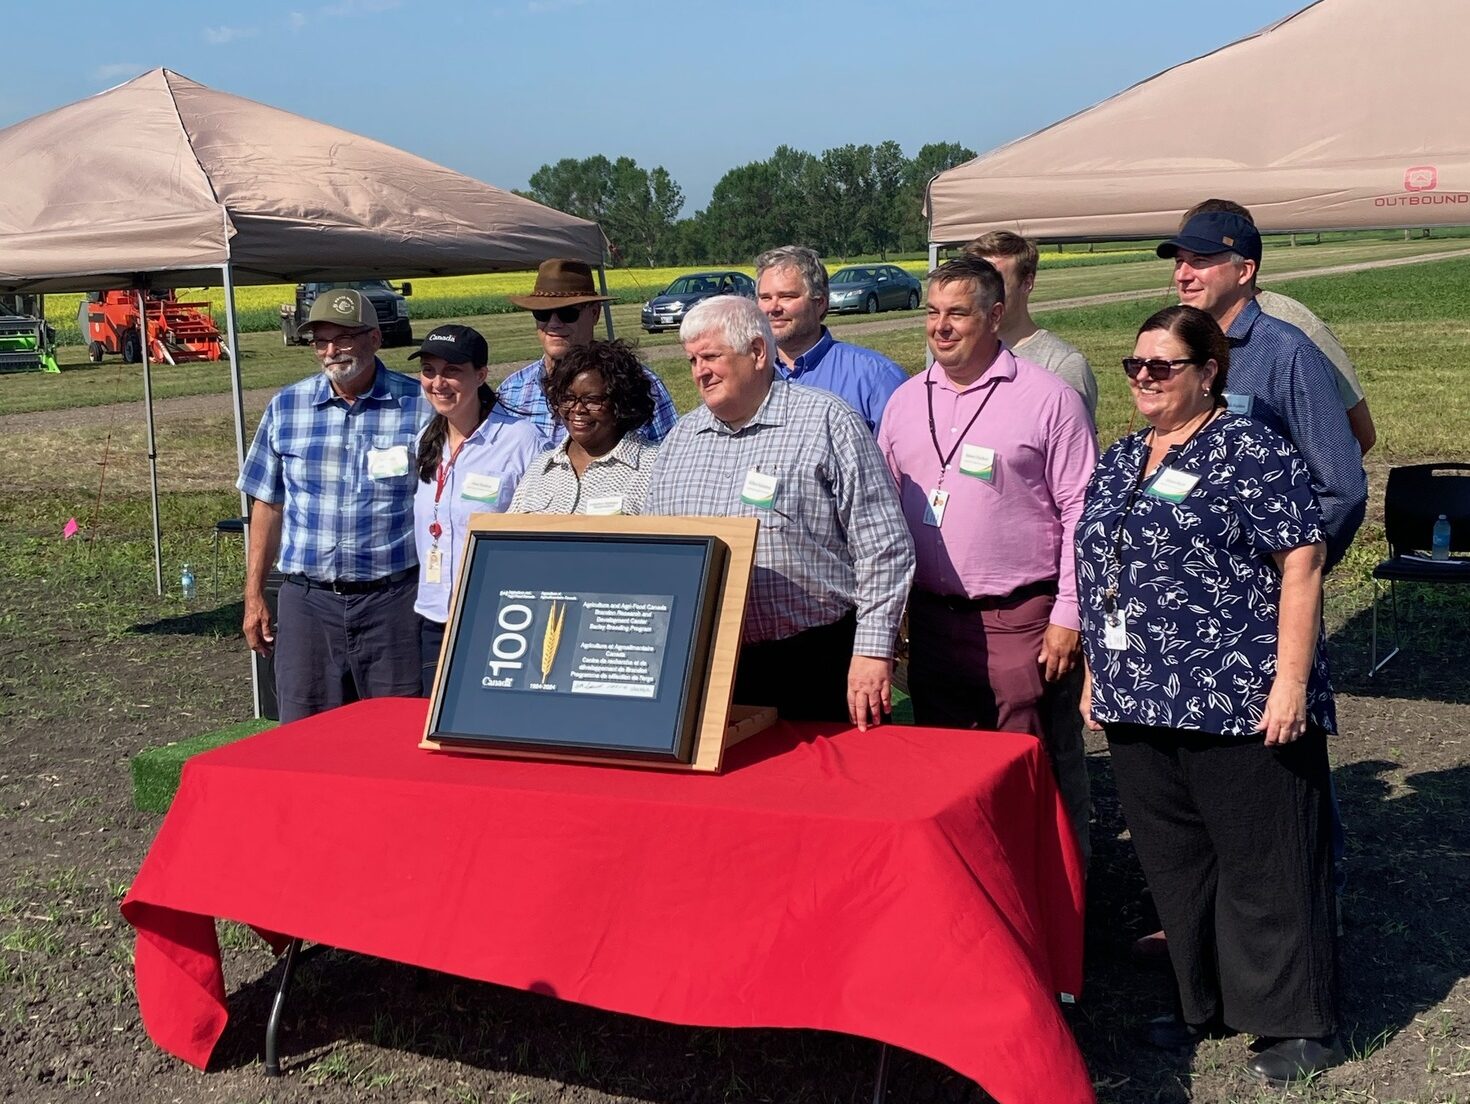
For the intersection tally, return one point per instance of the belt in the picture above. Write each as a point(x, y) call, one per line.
point(352, 586)
point(960, 602)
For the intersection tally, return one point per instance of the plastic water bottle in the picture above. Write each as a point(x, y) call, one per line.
point(186, 583)
point(1440, 549)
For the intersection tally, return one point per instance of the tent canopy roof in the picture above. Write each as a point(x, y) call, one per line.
point(163, 177)
point(1349, 114)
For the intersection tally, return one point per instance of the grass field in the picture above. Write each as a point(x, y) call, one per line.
point(94, 667)
point(266, 363)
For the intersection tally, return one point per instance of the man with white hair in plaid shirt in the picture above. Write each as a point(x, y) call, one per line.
point(833, 559)
point(332, 478)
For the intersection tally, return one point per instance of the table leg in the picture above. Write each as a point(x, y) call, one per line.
point(278, 1005)
point(880, 1083)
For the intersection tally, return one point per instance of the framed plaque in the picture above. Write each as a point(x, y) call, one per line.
point(596, 638)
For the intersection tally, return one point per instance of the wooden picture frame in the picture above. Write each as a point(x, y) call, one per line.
point(717, 723)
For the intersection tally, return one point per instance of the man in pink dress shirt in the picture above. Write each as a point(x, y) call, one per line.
point(992, 455)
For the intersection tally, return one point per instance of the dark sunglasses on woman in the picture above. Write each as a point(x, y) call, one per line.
point(1155, 368)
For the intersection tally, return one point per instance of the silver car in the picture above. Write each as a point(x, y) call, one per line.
point(667, 309)
point(871, 288)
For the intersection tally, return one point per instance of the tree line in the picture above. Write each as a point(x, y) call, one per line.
point(846, 201)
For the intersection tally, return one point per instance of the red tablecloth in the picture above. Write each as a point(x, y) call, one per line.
point(916, 886)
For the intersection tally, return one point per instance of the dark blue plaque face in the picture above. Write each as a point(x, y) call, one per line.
point(579, 643)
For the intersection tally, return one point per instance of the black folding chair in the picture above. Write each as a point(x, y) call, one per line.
point(1417, 495)
point(221, 528)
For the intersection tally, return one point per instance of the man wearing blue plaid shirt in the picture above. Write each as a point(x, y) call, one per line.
point(332, 478)
point(833, 558)
point(566, 307)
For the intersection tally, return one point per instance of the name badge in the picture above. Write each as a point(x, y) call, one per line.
point(1172, 485)
point(434, 566)
point(1239, 404)
point(934, 507)
point(481, 488)
point(601, 507)
point(1115, 631)
point(759, 489)
point(978, 461)
point(388, 463)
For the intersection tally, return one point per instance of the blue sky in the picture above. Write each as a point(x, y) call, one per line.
point(496, 89)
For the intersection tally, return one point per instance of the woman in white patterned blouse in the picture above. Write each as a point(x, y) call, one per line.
point(602, 395)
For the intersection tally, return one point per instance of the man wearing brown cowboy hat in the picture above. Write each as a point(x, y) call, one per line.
point(566, 305)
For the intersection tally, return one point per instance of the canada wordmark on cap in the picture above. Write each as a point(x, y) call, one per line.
point(456, 344)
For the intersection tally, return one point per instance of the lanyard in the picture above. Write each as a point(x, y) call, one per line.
point(435, 529)
point(944, 461)
point(1110, 593)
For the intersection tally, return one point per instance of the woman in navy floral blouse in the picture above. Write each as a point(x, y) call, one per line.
point(1199, 565)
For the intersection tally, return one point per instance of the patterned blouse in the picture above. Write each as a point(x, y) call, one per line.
point(612, 484)
point(1182, 564)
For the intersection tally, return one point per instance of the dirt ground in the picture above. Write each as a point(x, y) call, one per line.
point(360, 1029)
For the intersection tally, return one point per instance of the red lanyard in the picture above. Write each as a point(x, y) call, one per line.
point(435, 529)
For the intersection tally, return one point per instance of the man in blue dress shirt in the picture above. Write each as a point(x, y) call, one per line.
point(1276, 374)
point(791, 287)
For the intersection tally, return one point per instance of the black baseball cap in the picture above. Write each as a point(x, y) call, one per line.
point(1212, 232)
point(456, 344)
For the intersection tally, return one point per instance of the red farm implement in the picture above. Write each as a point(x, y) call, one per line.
point(176, 331)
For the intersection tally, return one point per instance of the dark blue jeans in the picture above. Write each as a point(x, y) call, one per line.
point(334, 649)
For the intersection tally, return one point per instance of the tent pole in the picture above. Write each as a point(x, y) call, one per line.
point(237, 395)
point(606, 307)
point(933, 264)
point(152, 444)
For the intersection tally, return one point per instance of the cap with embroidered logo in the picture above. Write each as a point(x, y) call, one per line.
point(343, 307)
point(456, 344)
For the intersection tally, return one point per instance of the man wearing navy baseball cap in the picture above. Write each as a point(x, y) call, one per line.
point(1276, 374)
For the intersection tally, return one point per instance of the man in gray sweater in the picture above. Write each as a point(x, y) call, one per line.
point(1016, 259)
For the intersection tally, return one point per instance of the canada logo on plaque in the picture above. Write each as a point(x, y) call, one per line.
point(606, 639)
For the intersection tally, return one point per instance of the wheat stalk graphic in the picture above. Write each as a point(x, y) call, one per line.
point(552, 640)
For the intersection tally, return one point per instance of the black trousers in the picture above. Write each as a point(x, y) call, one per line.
point(431, 639)
point(803, 676)
point(1235, 839)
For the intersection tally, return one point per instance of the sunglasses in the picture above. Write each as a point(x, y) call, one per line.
point(1155, 368)
point(566, 315)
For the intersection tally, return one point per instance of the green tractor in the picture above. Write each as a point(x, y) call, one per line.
point(27, 343)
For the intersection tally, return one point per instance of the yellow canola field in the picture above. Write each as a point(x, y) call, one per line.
point(641, 283)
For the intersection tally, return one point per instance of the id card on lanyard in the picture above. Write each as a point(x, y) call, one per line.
point(434, 562)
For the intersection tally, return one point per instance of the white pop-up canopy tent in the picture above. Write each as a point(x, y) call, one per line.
point(1350, 114)
point(163, 182)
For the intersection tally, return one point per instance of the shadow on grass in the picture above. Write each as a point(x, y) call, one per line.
point(1405, 948)
point(1434, 661)
point(342, 1002)
point(221, 621)
point(1406, 944)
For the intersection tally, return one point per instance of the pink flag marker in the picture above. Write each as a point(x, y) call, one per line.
point(69, 530)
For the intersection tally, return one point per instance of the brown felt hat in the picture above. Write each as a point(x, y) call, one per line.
point(561, 283)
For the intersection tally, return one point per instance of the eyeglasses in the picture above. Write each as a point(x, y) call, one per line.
point(1155, 368)
point(593, 404)
point(567, 315)
point(342, 341)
